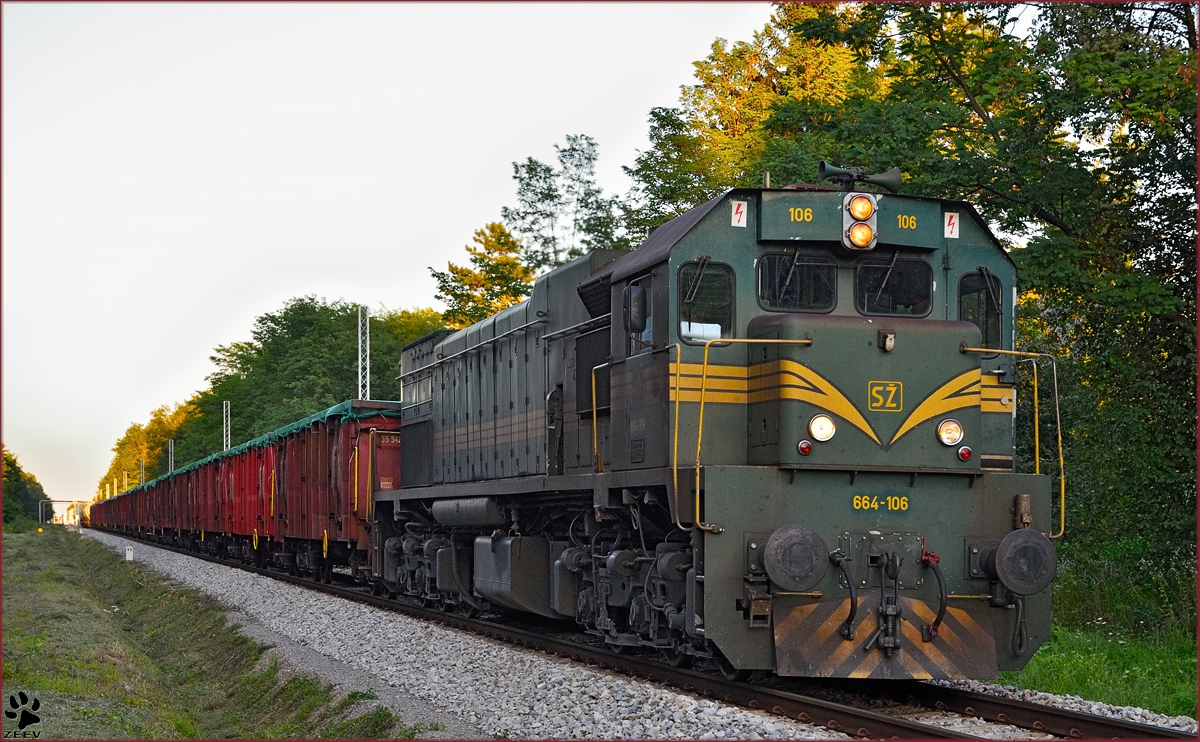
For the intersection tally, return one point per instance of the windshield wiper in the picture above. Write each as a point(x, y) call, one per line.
point(886, 277)
point(694, 286)
point(787, 280)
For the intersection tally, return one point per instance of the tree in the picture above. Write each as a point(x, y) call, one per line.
point(716, 138)
point(739, 86)
point(22, 495)
point(146, 444)
point(498, 279)
point(561, 213)
point(674, 175)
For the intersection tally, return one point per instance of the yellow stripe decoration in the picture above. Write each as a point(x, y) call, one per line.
point(994, 393)
point(779, 379)
point(788, 379)
point(961, 391)
point(794, 380)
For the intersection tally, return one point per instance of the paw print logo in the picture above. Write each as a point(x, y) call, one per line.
point(28, 718)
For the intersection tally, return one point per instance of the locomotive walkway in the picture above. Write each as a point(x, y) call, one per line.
point(930, 699)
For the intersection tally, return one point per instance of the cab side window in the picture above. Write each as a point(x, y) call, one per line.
point(979, 302)
point(705, 301)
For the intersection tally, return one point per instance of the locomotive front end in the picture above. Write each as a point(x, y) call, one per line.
point(877, 528)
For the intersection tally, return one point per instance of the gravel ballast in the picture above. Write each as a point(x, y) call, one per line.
point(487, 688)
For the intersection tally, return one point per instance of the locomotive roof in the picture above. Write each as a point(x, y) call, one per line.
point(657, 247)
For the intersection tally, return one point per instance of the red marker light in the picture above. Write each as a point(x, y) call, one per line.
point(964, 453)
point(804, 447)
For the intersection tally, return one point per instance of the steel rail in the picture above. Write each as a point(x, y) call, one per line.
point(850, 720)
point(1035, 716)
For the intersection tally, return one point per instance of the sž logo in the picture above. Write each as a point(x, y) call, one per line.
point(22, 708)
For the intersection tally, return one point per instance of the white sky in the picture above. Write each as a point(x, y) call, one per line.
point(172, 171)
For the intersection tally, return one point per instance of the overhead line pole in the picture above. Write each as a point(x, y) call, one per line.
point(364, 353)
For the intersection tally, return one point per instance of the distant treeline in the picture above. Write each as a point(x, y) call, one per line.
point(299, 360)
point(22, 495)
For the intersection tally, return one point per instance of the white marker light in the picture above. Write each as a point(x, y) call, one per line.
point(821, 427)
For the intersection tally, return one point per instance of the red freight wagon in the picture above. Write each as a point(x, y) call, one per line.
point(299, 497)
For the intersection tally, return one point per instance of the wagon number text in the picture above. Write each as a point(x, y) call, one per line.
point(904, 221)
point(874, 502)
point(801, 215)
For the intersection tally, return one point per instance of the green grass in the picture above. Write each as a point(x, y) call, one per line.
point(111, 652)
point(1154, 672)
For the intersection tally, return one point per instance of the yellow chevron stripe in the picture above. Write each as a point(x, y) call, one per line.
point(788, 379)
point(779, 379)
point(961, 391)
point(816, 390)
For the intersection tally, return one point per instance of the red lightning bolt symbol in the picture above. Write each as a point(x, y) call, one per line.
point(950, 222)
point(737, 212)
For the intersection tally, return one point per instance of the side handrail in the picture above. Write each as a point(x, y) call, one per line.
point(675, 436)
point(597, 459)
point(1062, 473)
point(703, 389)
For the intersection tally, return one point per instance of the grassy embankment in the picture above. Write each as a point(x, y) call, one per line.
point(1120, 641)
point(110, 651)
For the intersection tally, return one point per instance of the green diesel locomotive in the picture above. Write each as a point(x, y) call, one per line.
point(778, 434)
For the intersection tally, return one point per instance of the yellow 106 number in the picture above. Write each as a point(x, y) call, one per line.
point(874, 502)
point(801, 215)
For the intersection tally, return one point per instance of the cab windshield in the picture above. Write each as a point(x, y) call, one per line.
point(895, 286)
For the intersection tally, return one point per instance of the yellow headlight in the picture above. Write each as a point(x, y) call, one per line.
point(950, 432)
point(861, 207)
point(821, 427)
point(861, 234)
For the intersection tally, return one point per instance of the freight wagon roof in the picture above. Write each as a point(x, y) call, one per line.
point(354, 409)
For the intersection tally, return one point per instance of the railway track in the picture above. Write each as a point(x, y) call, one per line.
point(794, 701)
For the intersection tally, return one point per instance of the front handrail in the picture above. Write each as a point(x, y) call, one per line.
point(1062, 473)
point(704, 387)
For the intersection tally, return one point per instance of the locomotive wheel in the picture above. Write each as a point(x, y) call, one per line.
point(677, 656)
point(728, 671)
point(620, 648)
point(376, 588)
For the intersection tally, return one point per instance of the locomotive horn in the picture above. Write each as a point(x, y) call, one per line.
point(889, 180)
point(847, 176)
point(844, 175)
